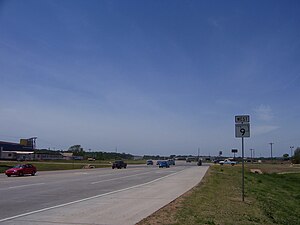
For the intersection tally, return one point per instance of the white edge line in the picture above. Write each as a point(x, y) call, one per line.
point(89, 198)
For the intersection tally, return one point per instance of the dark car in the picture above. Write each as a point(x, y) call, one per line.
point(199, 163)
point(215, 161)
point(149, 162)
point(163, 164)
point(21, 170)
point(188, 160)
point(119, 164)
point(171, 162)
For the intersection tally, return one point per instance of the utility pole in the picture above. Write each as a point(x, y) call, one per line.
point(271, 149)
point(291, 147)
point(251, 149)
point(198, 153)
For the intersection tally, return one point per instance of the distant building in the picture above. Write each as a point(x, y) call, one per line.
point(25, 150)
point(67, 155)
point(137, 157)
point(44, 154)
point(16, 155)
point(18, 151)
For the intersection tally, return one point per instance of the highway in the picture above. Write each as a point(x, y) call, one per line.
point(31, 198)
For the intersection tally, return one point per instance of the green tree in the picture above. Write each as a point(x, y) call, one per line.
point(285, 156)
point(296, 158)
point(77, 150)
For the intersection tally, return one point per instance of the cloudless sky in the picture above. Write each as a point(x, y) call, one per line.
point(150, 77)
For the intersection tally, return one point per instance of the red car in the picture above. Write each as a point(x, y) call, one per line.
point(20, 170)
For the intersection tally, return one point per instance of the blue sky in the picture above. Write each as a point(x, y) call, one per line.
point(150, 77)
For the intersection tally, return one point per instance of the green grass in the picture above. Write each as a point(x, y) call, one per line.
point(278, 196)
point(64, 164)
point(218, 201)
point(49, 166)
point(70, 166)
point(4, 167)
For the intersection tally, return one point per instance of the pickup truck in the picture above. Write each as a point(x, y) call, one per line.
point(227, 161)
point(119, 164)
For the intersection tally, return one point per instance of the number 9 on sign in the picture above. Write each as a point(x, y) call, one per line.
point(242, 130)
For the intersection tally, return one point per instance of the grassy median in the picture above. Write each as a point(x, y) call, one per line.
point(270, 198)
point(64, 164)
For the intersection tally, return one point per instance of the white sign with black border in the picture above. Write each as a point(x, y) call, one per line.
point(242, 119)
point(242, 130)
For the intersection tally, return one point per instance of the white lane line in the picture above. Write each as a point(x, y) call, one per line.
point(134, 175)
point(21, 186)
point(104, 175)
point(89, 198)
point(166, 171)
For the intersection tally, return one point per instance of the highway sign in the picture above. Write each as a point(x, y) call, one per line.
point(242, 119)
point(242, 130)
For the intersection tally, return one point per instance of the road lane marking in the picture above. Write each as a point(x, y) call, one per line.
point(104, 175)
point(165, 171)
point(134, 175)
point(89, 198)
point(21, 186)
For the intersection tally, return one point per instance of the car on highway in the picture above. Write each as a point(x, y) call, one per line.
point(21, 170)
point(215, 161)
point(228, 162)
point(190, 159)
point(171, 162)
point(199, 162)
point(149, 162)
point(119, 164)
point(163, 164)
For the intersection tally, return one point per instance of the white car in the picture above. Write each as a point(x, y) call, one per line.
point(227, 161)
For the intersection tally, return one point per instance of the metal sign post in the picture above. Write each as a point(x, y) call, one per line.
point(243, 171)
point(242, 130)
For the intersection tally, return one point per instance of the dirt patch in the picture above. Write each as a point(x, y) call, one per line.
point(274, 168)
point(256, 171)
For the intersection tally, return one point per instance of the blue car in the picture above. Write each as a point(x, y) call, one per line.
point(163, 164)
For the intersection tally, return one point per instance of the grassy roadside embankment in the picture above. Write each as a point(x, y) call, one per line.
point(270, 198)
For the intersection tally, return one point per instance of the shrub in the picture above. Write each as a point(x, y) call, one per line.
point(296, 158)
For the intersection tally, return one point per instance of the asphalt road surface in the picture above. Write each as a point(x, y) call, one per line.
point(94, 196)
